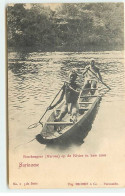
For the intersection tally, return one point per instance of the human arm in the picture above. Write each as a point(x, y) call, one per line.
point(96, 73)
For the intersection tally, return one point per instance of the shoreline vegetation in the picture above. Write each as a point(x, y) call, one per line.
point(30, 50)
point(70, 27)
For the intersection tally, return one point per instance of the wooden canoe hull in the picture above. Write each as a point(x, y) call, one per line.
point(77, 131)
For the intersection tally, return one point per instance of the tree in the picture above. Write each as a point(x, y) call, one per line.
point(71, 27)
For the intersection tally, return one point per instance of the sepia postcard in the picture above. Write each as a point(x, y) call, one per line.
point(66, 95)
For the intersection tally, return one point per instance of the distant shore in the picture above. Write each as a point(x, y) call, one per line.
point(38, 49)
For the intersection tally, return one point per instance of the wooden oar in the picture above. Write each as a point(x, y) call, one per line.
point(50, 104)
point(85, 72)
point(99, 79)
point(38, 123)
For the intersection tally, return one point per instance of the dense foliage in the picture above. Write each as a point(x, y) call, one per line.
point(70, 27)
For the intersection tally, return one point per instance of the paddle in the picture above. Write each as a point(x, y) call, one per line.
point(85, 72)
point(99, 79)
point(38, 123)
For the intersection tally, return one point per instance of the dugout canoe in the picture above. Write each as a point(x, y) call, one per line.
point(65, 129)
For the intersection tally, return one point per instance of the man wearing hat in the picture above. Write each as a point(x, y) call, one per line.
point(70, 92)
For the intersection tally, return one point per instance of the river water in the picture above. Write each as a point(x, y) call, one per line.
point(35, 78)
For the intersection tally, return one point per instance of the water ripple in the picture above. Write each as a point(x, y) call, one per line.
point(35, 78)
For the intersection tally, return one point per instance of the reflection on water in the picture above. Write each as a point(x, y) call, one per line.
point(35, 78)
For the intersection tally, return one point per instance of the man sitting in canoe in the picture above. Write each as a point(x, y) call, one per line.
point(70, 91)
point(91, 77)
